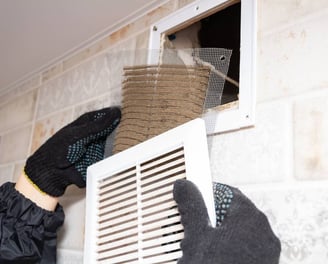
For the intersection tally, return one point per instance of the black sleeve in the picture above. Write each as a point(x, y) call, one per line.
point(28, 233)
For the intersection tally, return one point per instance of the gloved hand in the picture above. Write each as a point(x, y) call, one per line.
point(242, 236)
point(63, 159)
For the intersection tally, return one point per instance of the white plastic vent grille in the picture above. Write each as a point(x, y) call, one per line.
point(131, 214)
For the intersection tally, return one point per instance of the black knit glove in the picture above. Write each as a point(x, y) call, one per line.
point(243, 234)
point(63, 159)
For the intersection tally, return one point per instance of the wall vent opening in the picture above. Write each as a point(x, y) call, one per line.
point(219, 29)
point(235, 109)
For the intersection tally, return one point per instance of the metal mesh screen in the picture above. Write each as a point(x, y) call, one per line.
point(217, 59)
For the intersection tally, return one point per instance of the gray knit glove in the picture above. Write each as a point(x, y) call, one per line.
point(242, 236)
point(63, 159)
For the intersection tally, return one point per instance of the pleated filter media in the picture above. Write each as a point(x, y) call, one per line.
point(131, 215)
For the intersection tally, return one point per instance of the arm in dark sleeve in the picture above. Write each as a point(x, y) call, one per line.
point(28, 233)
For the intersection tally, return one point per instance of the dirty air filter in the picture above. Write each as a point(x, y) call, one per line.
point(157, 98)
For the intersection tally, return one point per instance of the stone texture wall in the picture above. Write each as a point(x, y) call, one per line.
point(281, 163)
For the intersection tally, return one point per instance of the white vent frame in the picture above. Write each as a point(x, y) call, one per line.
point(244, 114)
point(191, 138)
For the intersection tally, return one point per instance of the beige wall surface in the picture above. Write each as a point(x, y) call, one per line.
point(281, 163)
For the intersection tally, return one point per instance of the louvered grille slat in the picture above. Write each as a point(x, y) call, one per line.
point(163, 258)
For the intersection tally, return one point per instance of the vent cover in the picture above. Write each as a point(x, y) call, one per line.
point(131, 214)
